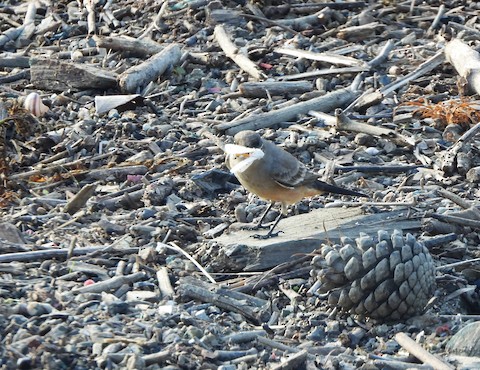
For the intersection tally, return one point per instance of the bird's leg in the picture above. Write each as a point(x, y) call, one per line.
point(270, 233)
point(259, 225)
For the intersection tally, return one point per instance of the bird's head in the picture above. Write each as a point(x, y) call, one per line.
point(245, 151)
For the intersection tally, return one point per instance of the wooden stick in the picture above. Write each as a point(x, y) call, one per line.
point(414, 348)
point(327, 102)
point(235, 54)
point(140, 75)
point(80, 199)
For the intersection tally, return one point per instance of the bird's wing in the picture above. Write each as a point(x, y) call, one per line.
point(285, 169)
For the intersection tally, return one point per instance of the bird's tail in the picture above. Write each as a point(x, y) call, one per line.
point(328, 188)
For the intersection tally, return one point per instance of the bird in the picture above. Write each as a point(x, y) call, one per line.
point(273, 174)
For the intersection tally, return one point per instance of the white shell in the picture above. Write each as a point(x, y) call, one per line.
point(255, 153)
point(33, 104)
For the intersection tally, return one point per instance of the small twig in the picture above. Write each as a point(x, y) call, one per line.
point(176, 248)
point(460, 263)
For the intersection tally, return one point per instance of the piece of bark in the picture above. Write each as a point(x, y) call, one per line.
point(345, 123)
point(140, 47)
point(327, 102)
point(416, 350)
point(235, 54)
point(138, 76)
point(304, 233)
point(51, 74)
point(274, 88)
point(80, 199)
point(466, 62)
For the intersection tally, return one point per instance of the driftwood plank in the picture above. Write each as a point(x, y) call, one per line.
point(306, 232)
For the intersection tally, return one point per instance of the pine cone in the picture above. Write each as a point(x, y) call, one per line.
point(389, 280)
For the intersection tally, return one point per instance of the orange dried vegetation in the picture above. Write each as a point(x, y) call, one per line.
point(458, 111)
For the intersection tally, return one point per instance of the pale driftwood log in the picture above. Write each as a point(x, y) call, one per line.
point(51, 74)
point(235, 54)
point(305, 233)
point(327, 102)
point(325, 57)
point(273, 88)
point(80, 199)
point(253, 308)
point(140, 47)
point(345, 123)
point(466, 61)
point(416, 350)
point(140, 75)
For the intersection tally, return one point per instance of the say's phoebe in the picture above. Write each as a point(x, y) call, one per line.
point(274, 174)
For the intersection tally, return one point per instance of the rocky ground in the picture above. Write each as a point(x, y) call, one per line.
point(115, 197)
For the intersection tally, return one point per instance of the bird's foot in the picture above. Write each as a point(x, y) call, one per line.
point(267, 235)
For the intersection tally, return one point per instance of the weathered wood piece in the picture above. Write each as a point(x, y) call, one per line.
point(466, 61)
point(140, 75)
point(327, 102)
point(305, 233)
point(51, 74)
point(253, 308)
point(416, 350)
point(345, 123)
point(80, 199)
